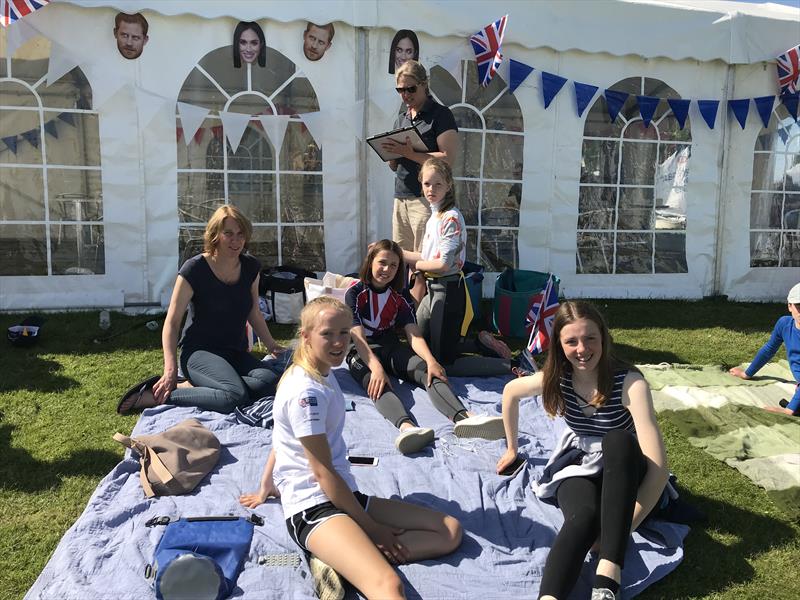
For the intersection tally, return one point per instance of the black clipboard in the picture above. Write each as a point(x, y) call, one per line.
point(399, 135)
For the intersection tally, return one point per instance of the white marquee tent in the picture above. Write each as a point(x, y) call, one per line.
point(109, 167)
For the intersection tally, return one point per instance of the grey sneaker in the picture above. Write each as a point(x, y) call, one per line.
point(328, 584)
point(414, 439)
point(483, 426)
point(604, 594)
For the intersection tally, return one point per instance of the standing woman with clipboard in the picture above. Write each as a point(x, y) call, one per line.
point(437, 128)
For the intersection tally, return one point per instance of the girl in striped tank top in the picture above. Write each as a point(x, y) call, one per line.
point(609, 468)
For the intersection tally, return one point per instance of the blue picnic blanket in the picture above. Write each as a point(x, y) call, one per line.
point(507, 531)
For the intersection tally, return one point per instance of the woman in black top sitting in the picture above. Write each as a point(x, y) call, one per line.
point(222, 285)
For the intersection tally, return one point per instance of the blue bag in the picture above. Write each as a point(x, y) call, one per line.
point(200, 557)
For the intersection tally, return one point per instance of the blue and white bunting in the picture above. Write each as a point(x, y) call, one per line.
point(551, 85)
point(740, 107)
point(583, 95)
point(708, 110)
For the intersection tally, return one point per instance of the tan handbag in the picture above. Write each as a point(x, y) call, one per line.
point(175, 461)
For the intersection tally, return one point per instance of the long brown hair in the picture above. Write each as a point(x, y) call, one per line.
point(308, 320)
point(556, 365)
point(365, 272)
point(217, 221)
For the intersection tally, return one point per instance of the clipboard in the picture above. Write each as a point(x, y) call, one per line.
point(398, 135)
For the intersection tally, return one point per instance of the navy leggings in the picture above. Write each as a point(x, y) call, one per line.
point(595, 505)
point(223, 380)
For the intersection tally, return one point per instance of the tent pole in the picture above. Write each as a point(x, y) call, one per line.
point(362, 86)
point(722, 181)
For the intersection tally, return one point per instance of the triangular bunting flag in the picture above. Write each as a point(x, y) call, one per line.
point(680, 108)
point(11, 142)
point(386, 103)
point(517, 73)
point(275, 128)
point(216, 131)
point(234, 124)
point(108, 86)
point(740, 107)
point(192, 118)
point(148, 104)
point(583, 95)
point(647, 108)
point(790, 102)
point(18, 35)
point(33, 137)
point(551, 85)
point(50, 127)
point(614, 102)
point(451, 62)
point(708, 110)
point(67, 118)
point(764, 106)
point(317, 124)
point(61, 62)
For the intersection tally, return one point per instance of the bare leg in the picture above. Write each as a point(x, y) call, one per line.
point(428, 533)
point(342, 544)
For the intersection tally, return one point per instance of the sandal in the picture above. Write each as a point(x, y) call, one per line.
point(132, 400)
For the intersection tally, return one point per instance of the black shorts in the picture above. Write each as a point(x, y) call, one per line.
point(302, 524)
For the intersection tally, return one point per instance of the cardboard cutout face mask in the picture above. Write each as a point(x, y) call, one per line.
point(316, 41)
point(130, 39)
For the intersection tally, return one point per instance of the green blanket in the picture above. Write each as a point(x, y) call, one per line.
point(723, 415)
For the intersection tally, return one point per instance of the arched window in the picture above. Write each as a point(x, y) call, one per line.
point(632, 202)
point(775, 196)
point(280, 190)
point(488, 172)
point(51, 203)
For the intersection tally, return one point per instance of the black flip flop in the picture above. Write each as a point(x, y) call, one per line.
point(136, 390)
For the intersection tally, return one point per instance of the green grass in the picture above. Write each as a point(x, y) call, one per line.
point(57, 416)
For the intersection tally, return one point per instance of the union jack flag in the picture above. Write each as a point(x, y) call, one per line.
point(541, 315)
point(486, 44)
point(789, 70)
point(11, 10)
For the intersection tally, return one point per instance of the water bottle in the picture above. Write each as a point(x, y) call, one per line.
point(105, 320)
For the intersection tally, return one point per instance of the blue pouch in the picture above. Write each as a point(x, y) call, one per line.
point(200, 557)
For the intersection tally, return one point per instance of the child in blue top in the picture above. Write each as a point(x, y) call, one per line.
point(786, 332)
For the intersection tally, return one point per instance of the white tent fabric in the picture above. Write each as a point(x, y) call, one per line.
point(732, 32)
point(698, 53)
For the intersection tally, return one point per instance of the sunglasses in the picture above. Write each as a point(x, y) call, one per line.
point(412, 89)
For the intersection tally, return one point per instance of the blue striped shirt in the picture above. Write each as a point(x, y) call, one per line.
point(612, 415)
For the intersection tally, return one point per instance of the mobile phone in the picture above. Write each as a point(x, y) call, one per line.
point(365, 461)
point(514, 468)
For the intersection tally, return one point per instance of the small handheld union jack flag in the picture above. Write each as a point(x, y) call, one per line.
point(486, 44)
point(789, 70)
point(11, 10)
point(541, 315)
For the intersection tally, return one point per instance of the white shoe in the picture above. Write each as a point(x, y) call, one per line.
point(328, 583)
point(414, 439)
point(483, 426)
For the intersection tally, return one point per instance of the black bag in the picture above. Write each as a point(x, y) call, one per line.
point(284, 290)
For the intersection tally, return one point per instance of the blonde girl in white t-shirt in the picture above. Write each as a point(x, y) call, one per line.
point(348, 533)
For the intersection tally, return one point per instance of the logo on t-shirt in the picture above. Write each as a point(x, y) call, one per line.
point(308, 401)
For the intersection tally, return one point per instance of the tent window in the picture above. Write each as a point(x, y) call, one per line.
point(280, 190)
point(51, 203)
point(488, 170)
point(775, 196)
point(631, 200)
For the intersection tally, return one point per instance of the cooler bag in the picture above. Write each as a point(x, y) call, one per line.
point(284, 291)
point(514, 291)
